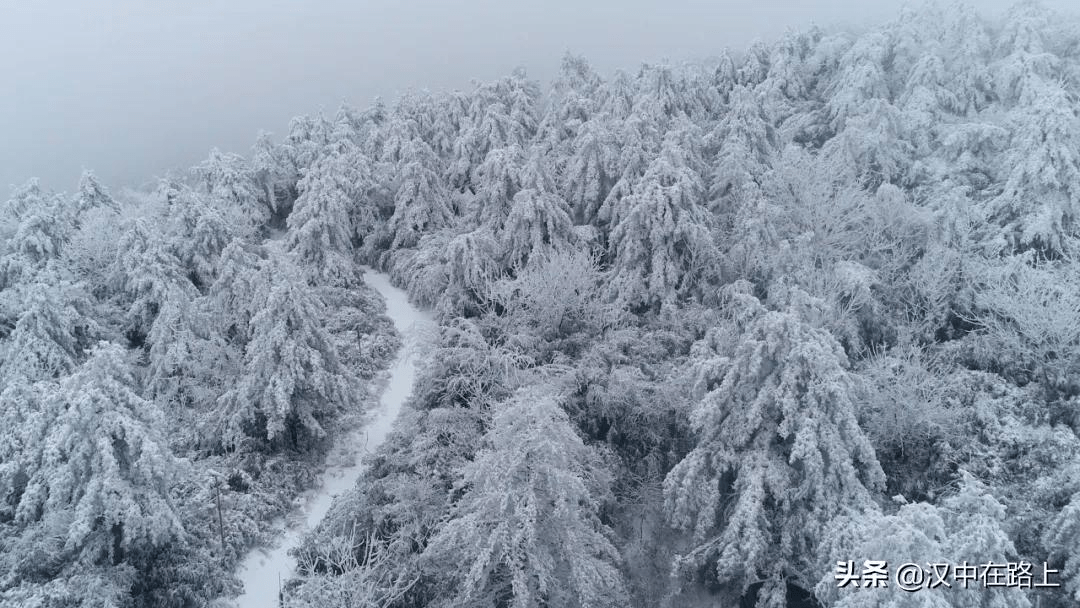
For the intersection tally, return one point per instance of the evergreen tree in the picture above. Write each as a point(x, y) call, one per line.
point(197, 234)
point(1063, 538)
point(755, 65)
point(526, 529)
point(1037, 208)
point(292, 382)
point(333, 208)
point(400, 132)
point(25, 198)
point(538, 217)
point(421, 201)
point(638, 144)
point(665, 93)
point(660, 242)
point(500, 115)
point(859, 79)
point(927, 101)
point(99, 471)
point(51, 333)
point(43, 224)
point(744, 142)
point(497, 181)
point(228, 178)
point(778, 449)
point(788, 89)
point(590, 171)
point(93, 195)
point(449, 123)
point(577, 96)
point(144, 275)
point(269, 171)
point(238, 292)
point(968, 45)
point(470, 265)
point(307, 139)
point(188, 362)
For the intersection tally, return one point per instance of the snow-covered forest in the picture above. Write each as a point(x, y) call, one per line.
point(705, 331)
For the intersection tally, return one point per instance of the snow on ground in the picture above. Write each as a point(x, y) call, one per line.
point(263, 571)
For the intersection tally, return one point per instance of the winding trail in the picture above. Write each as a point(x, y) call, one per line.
point(262, 569)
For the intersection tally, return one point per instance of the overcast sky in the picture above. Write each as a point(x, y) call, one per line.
point(131, 88)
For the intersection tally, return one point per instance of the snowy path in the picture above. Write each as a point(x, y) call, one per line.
point(261, 569)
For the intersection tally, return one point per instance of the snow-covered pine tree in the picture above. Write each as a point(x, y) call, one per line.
point(743, 142)
point(755, 65)
point(238, 292)
point(743, 146)
point(423, 271)
point(307, 140)
point(421, 200)
point(144, 274)
point(189, 363)
point(666, 93)
point(519, 98)
point(788, 89)
point(619, 96)
point(53, 329)
point(274, 177)
point(724, 74)
point(93, 195)
point(875, 142)
point(27, 197)
point(496, 181)
point(526, 530)
point(196, 234)
point(591, 170)
point(42, 233)
point(926, 102)
point(1063, 538)
point(421, 109)
point(778, 450)
point(539, 218)
point(449, 120)
point(859, 78)
point(345, 128)
point(968, 47)
point(399, 133)
point(99, 473)
point(577, 94)
point(946, 86)
point(470, 264)
point(660, 242)
point(499, 115)
point(293, 382)
point(43, 224)
point(637, 143)
point(1038, 207)
point(334, 208)
point(229, 182)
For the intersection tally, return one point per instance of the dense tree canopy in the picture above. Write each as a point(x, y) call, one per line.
point(705, 330)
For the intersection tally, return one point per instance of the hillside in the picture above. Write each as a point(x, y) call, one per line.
point(705, 331)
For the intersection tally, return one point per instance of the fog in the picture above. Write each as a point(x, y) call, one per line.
point(130, 88)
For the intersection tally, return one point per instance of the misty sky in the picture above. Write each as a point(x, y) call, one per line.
point(131, 88)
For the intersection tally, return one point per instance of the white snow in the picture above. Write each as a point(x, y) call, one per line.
point(263, 571)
